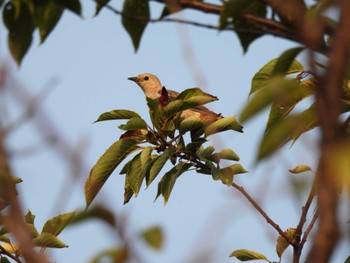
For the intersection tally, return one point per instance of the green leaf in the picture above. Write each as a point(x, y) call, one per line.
point(96, 212)
point(135, 123)
point(288, 129)
point(48, 240)
point(153, 237)
point(134, 175)
point(56, 224)
point(278, 88)
point(106, 165)
point(194, 92)
point(228, 154)
point(159, 163)
point(265, 74)
point(191, 123)
point(285, 61)
point(227, 173)
point(224, 124)
point(284, 104)
point(232, 16)
point(167, 182)
point(117, 115)
point(204, 153)
point(46, 15)
point(99, 5)
point(72, 5)
point(300, 169)
point(4, 260)
point(5, 238)
point(282, 244)
point(29, 217)
point(19, 23)
point(128, 192)
point(115, 255)
point(135, 17)
point(247, 255)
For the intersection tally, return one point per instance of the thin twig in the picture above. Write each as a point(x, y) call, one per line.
point(309, 228)
point(261, 211)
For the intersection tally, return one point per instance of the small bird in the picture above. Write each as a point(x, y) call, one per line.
point(153, 89)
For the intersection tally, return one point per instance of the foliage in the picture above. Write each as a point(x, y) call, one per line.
point(298, 101)
point(150, 147)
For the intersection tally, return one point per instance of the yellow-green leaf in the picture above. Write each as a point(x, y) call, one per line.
point(115, 255)
point(48, 240)
point(247, 255)
point(117, 115)
point(135, 123)
point(153, 237)
point(300, 169)
point(224, 124)
point(106, 165)
point(95, 212)
point(56, 224)
point(282, 243)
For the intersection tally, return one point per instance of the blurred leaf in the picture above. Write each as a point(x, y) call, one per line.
point(285, 61)
point(135, 123)
point(159, 163)
point(10, 248)
point(228, 154)
point(46, 15)
point(20, 26)
point(224, 124)
point(135, 17)
point(300, 169)
point(29, 217)
point(4, 238)
point(117, 115)
point(46, 239)
point(96, 212)
point(288, 129)
point(339, 158)
point(278, 88)
point(247, 255)
point(4, 260)
point(265, 74)
point(115, 255)
point(153, 237)
point(99, 5)
point(72, 5)
point(106, 165)
point(232, 16)
point(204, 153)
point(167, 182)
point(283, 104)
point(282, 244)
point(56, 224)
point(347, 260)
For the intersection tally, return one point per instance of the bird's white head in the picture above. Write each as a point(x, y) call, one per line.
point(149, 83)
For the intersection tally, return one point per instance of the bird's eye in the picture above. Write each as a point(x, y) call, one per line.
point(146, 78)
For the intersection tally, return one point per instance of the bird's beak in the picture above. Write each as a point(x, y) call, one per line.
point(133, 79)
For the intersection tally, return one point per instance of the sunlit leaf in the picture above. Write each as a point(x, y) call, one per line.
point(206, 152)
point(117, 115)
point(300, 169)
point(10, 248)
point(135, 18)
point(191, 123)
point(193, 92)
point(135, 123)
point(282, 243)
point(277, 88)
point(29, 221)
point(56, 224)
point(227, 174)
point(115, 255)
point(153, 237)
point(285, 61)
point(232, 16)
point(247, 255)
point(29, 217)
point(134, 175)
point(46, 239)
point(159, 163)
point(228, 154)
point(265, 74)
point(224, 124)
point(106, 165)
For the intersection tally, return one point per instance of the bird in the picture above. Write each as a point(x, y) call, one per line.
point(153, 89)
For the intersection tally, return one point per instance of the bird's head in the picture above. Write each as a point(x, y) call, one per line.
point(149, 83)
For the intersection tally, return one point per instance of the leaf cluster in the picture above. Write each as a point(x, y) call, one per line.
point(170, 139)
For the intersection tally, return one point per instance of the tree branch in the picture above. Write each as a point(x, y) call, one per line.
point(262, 212)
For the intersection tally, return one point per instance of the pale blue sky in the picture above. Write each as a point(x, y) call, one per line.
point(91, 59)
